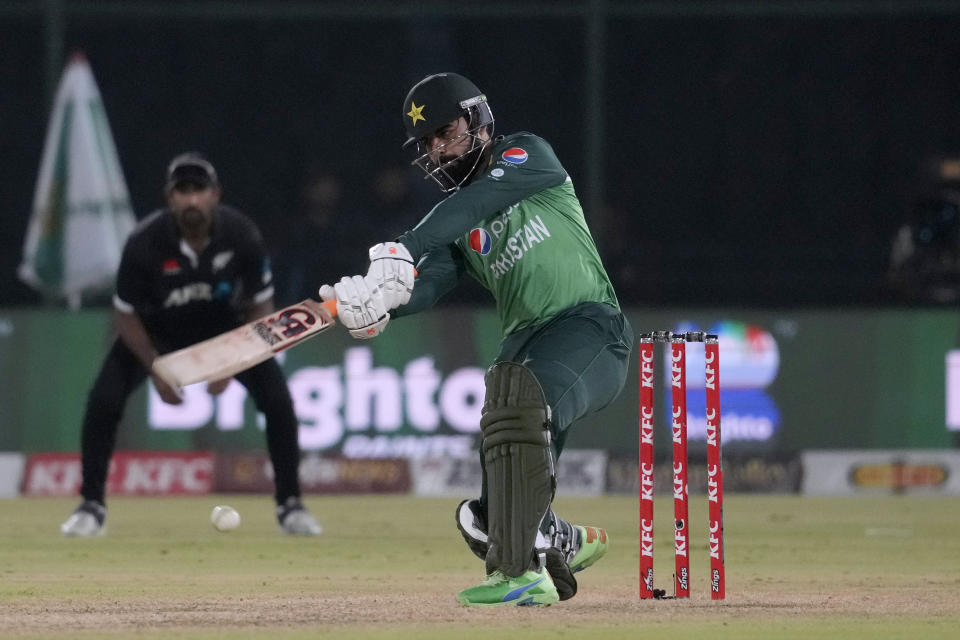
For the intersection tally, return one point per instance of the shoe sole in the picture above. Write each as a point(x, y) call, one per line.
point(529, 601)
point(506, 604)
point(98, 534)
point(475, 538)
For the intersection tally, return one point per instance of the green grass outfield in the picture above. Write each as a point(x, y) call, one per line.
point(390, 567)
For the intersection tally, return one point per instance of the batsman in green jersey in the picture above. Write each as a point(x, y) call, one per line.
point(513, 222)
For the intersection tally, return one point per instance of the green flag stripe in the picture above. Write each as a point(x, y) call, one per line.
point(48, 261)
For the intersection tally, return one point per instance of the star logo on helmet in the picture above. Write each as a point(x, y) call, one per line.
point(416, 113)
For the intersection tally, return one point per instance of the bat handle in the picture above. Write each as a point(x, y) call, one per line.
point(331, 306)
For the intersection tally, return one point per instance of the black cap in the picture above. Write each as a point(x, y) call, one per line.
point(436, 101)
point(193, 168)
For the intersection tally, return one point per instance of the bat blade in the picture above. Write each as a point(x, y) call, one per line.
point(237, 350)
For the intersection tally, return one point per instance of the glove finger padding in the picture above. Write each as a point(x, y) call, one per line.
point(327, 293)
point(360, 306)
point(391, 270)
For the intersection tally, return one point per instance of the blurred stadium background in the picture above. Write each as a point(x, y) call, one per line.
point(746, 168)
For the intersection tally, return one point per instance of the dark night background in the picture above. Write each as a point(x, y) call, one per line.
point(752, 154)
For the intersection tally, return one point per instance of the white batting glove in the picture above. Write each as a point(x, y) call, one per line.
point(360, 306)
point(391, 270)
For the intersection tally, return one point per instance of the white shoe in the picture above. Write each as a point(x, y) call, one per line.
point(86, 522)
point(296, 520)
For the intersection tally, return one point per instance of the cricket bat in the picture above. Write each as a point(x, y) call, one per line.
point(229, 353)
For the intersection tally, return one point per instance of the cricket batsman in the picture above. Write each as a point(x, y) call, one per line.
point(512, 221)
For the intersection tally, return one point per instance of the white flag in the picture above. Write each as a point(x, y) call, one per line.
point(81, 208)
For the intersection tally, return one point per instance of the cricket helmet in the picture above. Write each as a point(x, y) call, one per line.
point(433, 103)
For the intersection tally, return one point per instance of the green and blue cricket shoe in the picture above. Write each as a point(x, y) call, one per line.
point(593, 546)
point(582, 546)
point(533, 588)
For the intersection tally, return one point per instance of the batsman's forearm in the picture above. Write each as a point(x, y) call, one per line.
point(437, 273)
point(426, 293)
point(135, 337)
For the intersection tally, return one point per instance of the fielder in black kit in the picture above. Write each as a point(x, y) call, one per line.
point(189, 271)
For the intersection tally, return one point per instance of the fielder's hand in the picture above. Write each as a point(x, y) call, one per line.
point(216, 387)
point(391, 271)
point(360, 306)
point(167, 393)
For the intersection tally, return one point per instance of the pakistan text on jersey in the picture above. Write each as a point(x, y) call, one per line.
point(531, 233)
point(498, 226)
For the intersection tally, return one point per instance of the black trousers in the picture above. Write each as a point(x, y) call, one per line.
point(121, 374)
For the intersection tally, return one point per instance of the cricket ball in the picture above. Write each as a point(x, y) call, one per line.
point(224, 518)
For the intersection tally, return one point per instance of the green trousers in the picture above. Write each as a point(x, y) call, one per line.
point(580, 357)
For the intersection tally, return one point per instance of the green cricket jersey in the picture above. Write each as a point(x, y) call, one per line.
point(517, 228)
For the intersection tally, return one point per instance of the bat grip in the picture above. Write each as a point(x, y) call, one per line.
point(331, 306)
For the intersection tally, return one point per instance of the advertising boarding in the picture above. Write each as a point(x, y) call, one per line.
point(789, 382)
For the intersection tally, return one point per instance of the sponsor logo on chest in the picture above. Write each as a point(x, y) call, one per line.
point(189, 293)
point(505, 246)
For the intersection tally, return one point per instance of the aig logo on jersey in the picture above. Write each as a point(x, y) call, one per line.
point(188, 293)
point(515, 155)
point(480, 241)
